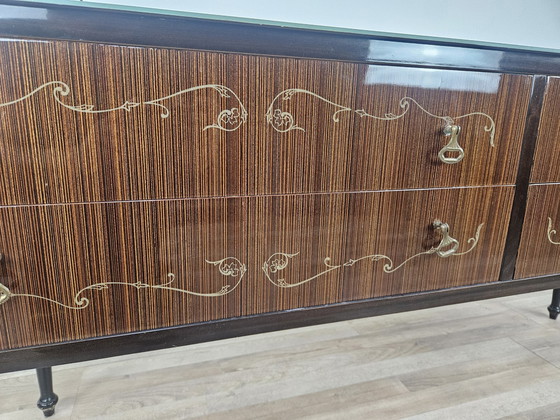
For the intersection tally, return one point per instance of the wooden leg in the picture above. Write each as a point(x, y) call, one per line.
point(554, 308)
point(48, 398)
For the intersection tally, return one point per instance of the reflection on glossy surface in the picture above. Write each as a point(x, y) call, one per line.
point(433, 79)
point(466, 57)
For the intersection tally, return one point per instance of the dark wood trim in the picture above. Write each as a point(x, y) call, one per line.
point(523, 175)
point(116, 345)
point(21, 19)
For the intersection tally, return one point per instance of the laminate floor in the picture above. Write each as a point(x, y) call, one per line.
point(494, 359)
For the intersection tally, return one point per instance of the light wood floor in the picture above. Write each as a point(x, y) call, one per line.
point(497, 359)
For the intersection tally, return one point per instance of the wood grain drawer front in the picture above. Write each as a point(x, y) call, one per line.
point(100, 269)
point(88, 122)
point(539, 250)
point(83, 270)
point(547, 152)
point(325, 248)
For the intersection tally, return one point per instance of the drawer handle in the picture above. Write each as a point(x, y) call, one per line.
point(452, 147)
point(447, 247)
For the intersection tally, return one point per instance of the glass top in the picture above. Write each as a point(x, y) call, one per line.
point(389, 35)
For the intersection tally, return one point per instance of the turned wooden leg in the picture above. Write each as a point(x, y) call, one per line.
point(48, 398)
point(554, 308)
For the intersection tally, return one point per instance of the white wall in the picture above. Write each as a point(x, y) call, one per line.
point(519, 22)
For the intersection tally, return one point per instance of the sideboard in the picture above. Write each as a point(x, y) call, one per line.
point(172, 179)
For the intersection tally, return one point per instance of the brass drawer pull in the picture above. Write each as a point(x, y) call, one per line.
point(448, 245)
point(452, 146)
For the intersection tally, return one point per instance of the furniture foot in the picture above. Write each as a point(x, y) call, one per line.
point(554, 308)
point(48, 398)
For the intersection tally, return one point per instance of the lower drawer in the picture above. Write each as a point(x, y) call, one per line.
point(539, 249)
point(83, 270)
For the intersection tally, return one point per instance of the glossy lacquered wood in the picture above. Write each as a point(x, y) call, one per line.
point(53, 152)
point(523, 176)
point(547, 153)
point(118, 123)
point(124, 251)
point(538, 252)
point(100, 269)
point(50, 21)
point(348, 246)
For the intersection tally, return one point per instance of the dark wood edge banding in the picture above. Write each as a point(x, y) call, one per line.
point(21, 19)
point(523, 175)
point(116, 345)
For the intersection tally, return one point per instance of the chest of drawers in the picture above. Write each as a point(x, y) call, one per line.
point(220, 179)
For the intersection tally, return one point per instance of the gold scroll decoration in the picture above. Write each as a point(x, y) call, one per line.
point(447, 247)
point(228, 267)
point(283, 121)
point(227, 120)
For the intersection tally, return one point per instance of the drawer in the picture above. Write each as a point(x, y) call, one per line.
point(539, 249)
point(83, 270)
point(89, 123)
point(547, 151)
point(100, 269)
point(343, 247)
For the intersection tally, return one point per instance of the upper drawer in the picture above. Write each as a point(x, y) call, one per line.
point(84, 122)
point(547, 152)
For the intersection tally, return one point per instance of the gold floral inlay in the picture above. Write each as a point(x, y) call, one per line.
point(273, 266)
point(447, 247)
point(283, 121)
point(228, 267)
point(227, 119)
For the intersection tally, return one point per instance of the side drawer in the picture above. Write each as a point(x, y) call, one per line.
point(325, 248)
point(539, 249)
point(547, 151)
point(83, 270)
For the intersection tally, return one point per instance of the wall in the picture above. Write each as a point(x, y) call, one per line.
point(519, 22)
